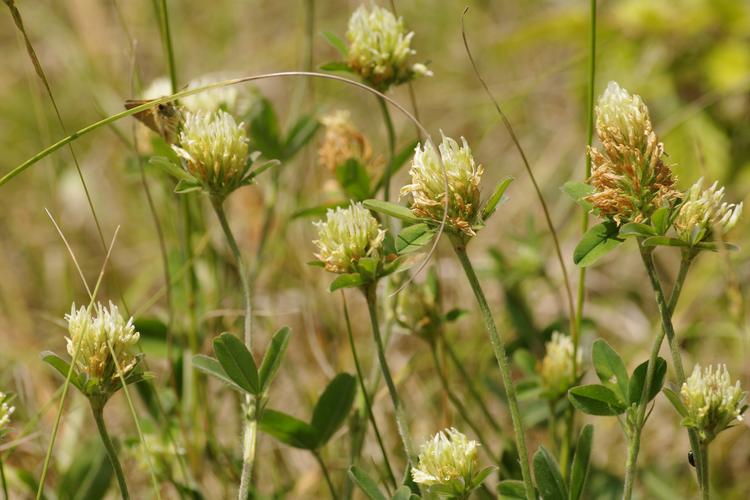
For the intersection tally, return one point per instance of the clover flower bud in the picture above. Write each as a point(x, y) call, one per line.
point(556, 369)
point(342, 141)
point(418, 309)
point(448, 459)
point(704, 211)
point(629, 177)
point(347, 235)
point(94, 338)
point(6, 410)
point(379, 48)
point(214, 148)
point(711, 401)
point(427, 188)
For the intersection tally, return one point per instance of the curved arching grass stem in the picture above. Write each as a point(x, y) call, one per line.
point(498, 347)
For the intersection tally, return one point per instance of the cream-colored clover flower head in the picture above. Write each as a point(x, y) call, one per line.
point(556, 369)
point(629, 176)
point(380, 48)
point(342, 141)
point(427, 188)
point(92, 333)
point(418, 309)
point(449, 459)
point(214, 148)
point(228, 98)
point(703, 212)
point(6, 410)
point(159, 87)
point(347, 235)
point(711, 401)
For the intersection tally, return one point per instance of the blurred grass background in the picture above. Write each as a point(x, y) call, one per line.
point(689, 60)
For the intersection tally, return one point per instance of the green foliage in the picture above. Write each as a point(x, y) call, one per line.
point(596, 243)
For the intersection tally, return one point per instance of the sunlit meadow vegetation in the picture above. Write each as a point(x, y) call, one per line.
point(308, 249)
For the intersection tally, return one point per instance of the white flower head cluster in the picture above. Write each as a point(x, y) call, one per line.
point(427, 188)
point(619, 111)
point(712, 401)
point(227, 98)
point(159, 87)
point(556, 369)
point(347, 235)
point(704, 211)
point(215, 149)
point(379, 48)
point(6, 410)
point(92, 335)
point(447, 457)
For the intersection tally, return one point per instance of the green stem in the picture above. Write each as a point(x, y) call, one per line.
point(366, 398)
point(706, 483)
point(370, 292)
point(634, 444)
point(167, 35)
point(553, 426)
point(327, 476)
point(250, 410)
point(97, 409)
point(460, 408)
point(502, 360)
point(391, 147)
point(469, 383)
point(2, 478)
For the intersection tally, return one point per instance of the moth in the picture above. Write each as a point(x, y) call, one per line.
point(164, 118)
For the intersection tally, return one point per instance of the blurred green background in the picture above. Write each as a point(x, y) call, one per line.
point(689, 60)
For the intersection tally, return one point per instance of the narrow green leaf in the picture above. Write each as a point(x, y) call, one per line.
point(212, 367)
point(660, 220)
point(637, 381)
point(635, 229)
point(396, 164)
point(333, 407)
point(676, 401)
point(272, 360)
point(264, 129)
point(548, 478)
point(608, 364)
point(578, 191)
point(392, 209)
point(368, 268)
point(714, 246)
point(62, 367)
point(596, 399)
point(346, 281)
point(497, 195)
point(300, 134)
point(366, 483)
point(482, 475)
point(581, 460)
point(353, 179)
point(511, 489)
point(403, 493)
point(336, 42)
point(171, 168)
point(413, 238)
point(237, 362)
point(596, 243)
point(288, 429)
point(185, 186)
point(664, 241)
point(335, 66)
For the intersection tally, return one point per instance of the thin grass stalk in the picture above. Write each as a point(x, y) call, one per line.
point(2, 478)
point(498, 346)
point(326, 475)
point(97, 408)
point(365, 396)
point(370, 292)
point(461, 409)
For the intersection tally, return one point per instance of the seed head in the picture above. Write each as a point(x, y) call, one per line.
point(93, 334)
point(347, 235)
point(379, 48)
point(704, 211)
point(448, 459)
point(342, 142)
point(712, 402)
point(427, 188)
point(556, 369)
point(215, 151)
point(6, 410)
point(629, 177)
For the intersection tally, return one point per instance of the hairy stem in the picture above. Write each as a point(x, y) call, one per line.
point(97, 408)
point(634, 443)
point(370, 292)
point(498, 347)
point(706, 483)
point(250, 410)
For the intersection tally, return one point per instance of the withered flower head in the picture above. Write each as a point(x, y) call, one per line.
point(342, 141)
point(629, 176)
